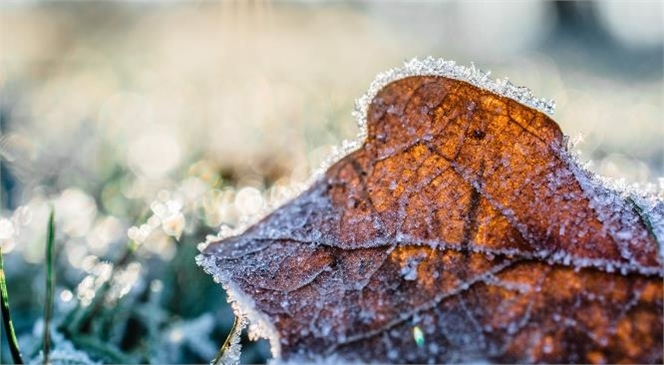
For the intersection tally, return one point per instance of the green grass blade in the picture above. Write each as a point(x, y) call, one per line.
point(222, 349)
point(9, 326)
point(50, 282)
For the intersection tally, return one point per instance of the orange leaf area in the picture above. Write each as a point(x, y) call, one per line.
point(460, 231)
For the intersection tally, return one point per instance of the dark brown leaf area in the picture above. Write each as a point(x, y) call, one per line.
point(458, 232)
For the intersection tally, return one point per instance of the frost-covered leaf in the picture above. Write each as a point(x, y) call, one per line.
point(460, 230)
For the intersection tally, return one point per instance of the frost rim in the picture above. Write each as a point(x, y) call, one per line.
point(431, 66)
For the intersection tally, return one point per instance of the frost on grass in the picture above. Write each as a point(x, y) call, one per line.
point(233, 349)
point(458, 215)
point(64, 357)
point(63, 352)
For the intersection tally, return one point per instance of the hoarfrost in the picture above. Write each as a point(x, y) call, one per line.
point(409, 270)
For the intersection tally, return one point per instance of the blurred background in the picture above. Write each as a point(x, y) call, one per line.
point(151, 124)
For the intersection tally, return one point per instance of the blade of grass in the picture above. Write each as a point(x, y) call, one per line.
point(9, 325)
point(222, 349)
point(50, 282)
point(230, 351)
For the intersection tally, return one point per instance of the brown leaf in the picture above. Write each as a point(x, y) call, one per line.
point(461, 230)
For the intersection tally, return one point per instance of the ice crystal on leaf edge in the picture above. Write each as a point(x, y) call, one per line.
point(648, 198)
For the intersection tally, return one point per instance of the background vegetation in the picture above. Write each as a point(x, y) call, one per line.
point(149, 125)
